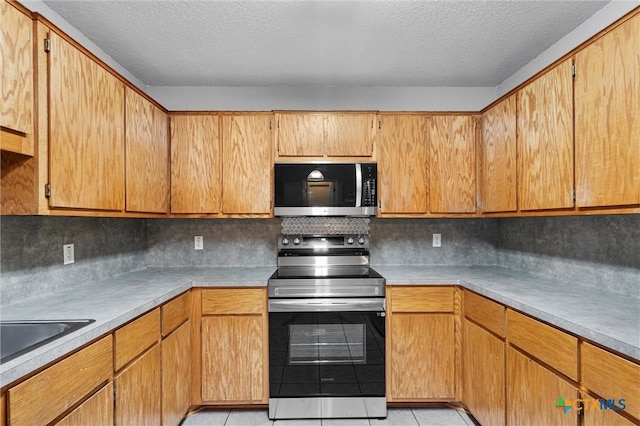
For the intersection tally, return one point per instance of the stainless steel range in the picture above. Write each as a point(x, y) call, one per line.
point(326, 330)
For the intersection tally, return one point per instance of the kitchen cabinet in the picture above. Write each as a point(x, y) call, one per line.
point(594, 416)
point(196, 169)
point(17, 109)
point(545, 141)
point(86, 131)
point(607, 125)
point(147, 155)
point(340, 134)
point(246, 164)
point(452, 164)
point(3, 409)
point(402, 152)
point(498, 158)
point(483, 359)
point(234, 346)
point(47, 395)
point(420, 334)
point(95, 411)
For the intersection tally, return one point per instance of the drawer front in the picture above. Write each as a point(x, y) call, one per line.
point(487, 313)
point(132, 339)
point(233, 301)
point(51, 392)
point(551, 346)
point(175, 312)
point(611, 377)
point(421, 299)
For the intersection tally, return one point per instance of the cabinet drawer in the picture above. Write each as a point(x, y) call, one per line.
point(175, 312)
point(132, 339)
point(421, 299)
point(611, 377)
point(233, 301)
point(549, 345)
point(487, 313)
point(51, 392)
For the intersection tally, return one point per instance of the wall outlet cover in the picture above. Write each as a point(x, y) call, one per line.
point(68, 254)
point(437, 240)
point(198, 242)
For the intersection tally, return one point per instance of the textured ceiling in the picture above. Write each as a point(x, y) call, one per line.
point(324, 43)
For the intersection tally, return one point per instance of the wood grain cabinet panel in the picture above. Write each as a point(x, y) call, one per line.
point(498, 154)
point(48, 394)
point(300, 135)
point(247, 163)
point(17, 109)
point(3, 409)
point(545, 141)
point(598, 417)
point(95, 411)
point(402, 152)
point(483, 378)
point(232, 301)
point(86, 131)
point(533, 391)
point(349, 134)
point(132, 339)
point(138, 391)
point(452, 164)
point(420, 299)
point(175, 312)
point(147, 156)
point(176, 375)
point(196, 169)
point(485, 312)
point(607, 122)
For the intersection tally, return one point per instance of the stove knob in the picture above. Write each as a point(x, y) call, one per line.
point(285, 241)
point(349, 240)
point(296, 241)
point(361, 240)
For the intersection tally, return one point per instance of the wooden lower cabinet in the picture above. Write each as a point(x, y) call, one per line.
point(95, 411)
point(599, 417)
point(138, 391)
point(533, 392)
point(483, 377)
point(176, 375)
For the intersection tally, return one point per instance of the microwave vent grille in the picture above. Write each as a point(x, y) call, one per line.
point(325, 225)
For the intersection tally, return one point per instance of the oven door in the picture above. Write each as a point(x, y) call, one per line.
point(330, 350)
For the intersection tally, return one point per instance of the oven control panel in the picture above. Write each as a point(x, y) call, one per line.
point(323, 242)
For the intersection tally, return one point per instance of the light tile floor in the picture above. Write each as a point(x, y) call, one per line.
point(395, 417)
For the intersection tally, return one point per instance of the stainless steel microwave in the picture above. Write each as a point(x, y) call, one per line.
point(323, 189)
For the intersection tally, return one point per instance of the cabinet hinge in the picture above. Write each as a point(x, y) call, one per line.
point(47, 190)
point(573, 70)
point(47, 45)
point(269, 124)
point(574, 195)
point(379, 124)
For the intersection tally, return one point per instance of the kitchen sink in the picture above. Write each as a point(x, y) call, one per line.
point(19, 337)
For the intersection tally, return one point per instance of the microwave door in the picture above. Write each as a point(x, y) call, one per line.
point(320, 194)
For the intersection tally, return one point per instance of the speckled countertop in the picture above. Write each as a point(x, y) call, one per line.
point(606, 318)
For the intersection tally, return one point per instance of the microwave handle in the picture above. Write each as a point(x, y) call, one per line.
point(358, 185)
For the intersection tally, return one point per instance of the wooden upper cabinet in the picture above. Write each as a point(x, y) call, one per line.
point(247, 163)
point(402, 147)
point(452, 160)
point(498, 154)
point(195, 164)
point(325, 134)
point(16, 49)
point(607, 108)
point(147, 156)
point(86, 136)
point(545, 141)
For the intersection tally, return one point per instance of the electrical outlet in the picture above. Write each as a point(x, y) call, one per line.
point(198, 242)
point(437, 240)
point(67, 254)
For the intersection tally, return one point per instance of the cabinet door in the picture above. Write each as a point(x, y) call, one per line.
point(402, 163)
point(533, 392)
point(138, 391)
point(499, 157)
point(421, 357)
point(176, 375)
point(483, 380)
point(247, 164)
point(17, 79)
point(349, 135)
point(545, 141)
point(95, 411)
point(300, 135)
point(232, 361)
point(195, 164)
point(86, 131)
point(452, 164)
point(147, 156)
point(607, 96)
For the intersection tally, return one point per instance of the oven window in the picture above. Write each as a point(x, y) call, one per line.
point(327, 343)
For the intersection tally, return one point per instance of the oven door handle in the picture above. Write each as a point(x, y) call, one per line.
point(328, 305)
